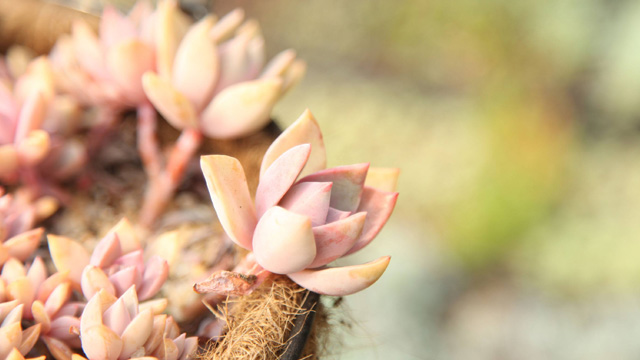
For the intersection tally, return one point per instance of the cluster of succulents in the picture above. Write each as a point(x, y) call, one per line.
point(208, 80)
point(91, 302)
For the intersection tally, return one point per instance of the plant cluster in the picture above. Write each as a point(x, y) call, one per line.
point(209, 81)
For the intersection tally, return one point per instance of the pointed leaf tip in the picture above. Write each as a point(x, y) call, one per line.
point(277, 180)
point(379, 205)
point(341, 281)
point(305, 130)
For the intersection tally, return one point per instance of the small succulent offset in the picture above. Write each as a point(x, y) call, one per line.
point(111, 323)
point(116, 264)
point(15, 342)
point(305, 216)
point(118, 328)
point(23, 107)
point(36, 145)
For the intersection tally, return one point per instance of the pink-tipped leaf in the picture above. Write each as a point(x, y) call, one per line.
point(107, 251)
point(379, 206)
point(304, 130)
point(310, 199)
point(348, 182)
point(334, 239)
point(280, 176)
point(155, 274)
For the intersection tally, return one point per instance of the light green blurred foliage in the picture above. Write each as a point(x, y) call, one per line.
point(616, 87)
point(528, 144)
point(591, 246)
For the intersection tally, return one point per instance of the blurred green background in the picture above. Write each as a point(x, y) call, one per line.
point(517, 128)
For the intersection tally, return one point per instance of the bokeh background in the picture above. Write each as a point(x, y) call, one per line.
point(517, 128)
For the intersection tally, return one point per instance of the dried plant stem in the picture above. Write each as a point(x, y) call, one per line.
point(163, 180)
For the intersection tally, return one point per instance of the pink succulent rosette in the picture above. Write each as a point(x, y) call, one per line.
point(305, 216)
point(23, 109)
point(119, 328)
point(105, 68)
point(44, 300)
point(116, 264)
point(39, 125)
point(15, 342)
point(19, 212)
point(217, 81)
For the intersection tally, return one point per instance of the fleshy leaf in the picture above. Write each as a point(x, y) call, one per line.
point(310, 199)
point(240, 109)
point(100, 342)
point(126, 62)
point(275, 182)
point(124, 278)
point(87, 50)
point(126, 234)
point(196, 68)
point(227, 25)
point(230, 196)
point(136, 333)
point(334, 239)
point(23, 245)
point(115, 27)
point(68, 255)
point(106, 252)
point(155, 274)
point(378, 205)
point(167, 36)
point(304, 130)
point(348, 182)
point(283, 241)
point(341, 281)
point(93, 280)
point(173, 105)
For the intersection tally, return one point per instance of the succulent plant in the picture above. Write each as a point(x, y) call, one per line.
point(214, 85)
point(105, 69)
point(117, 328)
point(44, 300)
point(305, 216)
point(23, 144)
point(21, 210)
point(217, 82)
point(117, 263)
point(15, 342)
point(38, 125)
point(18, 214)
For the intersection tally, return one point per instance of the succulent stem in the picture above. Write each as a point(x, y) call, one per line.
point(163, 179)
